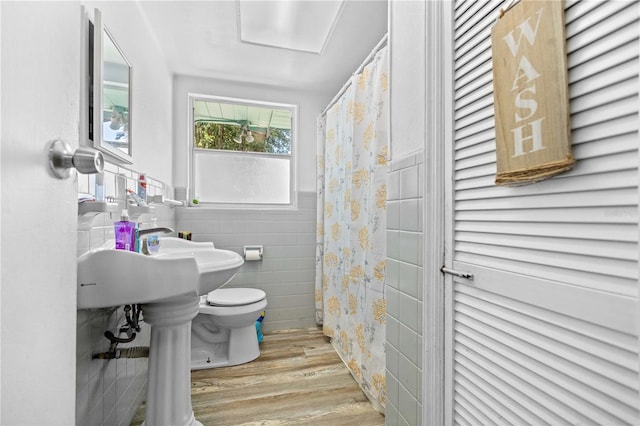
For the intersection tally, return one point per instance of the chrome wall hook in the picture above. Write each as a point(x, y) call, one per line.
point(63, 161)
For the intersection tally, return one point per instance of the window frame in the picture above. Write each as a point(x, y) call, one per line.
point(192, 151)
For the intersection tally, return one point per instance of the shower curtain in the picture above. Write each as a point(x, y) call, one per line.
point(351, 235)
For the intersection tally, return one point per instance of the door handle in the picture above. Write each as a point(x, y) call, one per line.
point(63, 161)
point(461, 274)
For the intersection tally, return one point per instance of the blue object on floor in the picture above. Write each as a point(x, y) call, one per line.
point(259, 327)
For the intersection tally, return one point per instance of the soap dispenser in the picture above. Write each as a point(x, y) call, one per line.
point(125, 232)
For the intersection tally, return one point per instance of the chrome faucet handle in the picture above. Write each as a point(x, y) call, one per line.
point(163, 230)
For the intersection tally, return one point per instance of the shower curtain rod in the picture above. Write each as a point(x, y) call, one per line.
point(364, 63)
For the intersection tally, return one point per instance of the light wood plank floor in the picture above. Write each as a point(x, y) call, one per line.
point(298, 379)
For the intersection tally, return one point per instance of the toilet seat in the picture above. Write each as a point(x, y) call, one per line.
point(235, 296)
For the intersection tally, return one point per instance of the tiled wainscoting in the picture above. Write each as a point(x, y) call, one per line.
point(286, 272)
point(109, 392)
point(404, 291)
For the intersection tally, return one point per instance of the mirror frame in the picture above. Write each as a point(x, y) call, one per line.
point(95, 118)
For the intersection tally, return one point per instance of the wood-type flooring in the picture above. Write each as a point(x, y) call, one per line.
point(298, 380)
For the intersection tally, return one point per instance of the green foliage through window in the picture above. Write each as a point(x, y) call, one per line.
point(211, 135)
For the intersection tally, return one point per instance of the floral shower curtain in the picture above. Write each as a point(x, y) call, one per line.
point(351, 237)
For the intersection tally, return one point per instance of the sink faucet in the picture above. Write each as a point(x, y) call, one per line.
point(155, 230)
point(162, 230)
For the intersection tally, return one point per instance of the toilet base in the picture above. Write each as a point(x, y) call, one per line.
point(242, 347)
point(212, 357)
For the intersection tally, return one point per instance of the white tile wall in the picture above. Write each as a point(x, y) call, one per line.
point(109, 392)
point(287, 271)
point(404, 291)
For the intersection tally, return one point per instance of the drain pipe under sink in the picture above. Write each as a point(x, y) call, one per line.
point(132, 352)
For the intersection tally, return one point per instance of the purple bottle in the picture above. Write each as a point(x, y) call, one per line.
point(125, 232)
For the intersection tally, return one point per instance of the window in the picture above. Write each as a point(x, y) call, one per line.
point(242, 151)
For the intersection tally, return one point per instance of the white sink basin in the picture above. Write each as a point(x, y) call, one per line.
point(109, 277)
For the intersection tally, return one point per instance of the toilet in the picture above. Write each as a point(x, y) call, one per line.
point(224, 331)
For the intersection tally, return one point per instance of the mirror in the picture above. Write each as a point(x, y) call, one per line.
point(109, 94)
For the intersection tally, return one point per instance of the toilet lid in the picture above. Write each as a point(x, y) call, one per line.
point(235, 296)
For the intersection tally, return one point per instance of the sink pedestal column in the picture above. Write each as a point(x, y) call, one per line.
point(169, 377)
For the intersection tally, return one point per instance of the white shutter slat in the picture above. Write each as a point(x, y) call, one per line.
point(481, 175)
point(531, 260)
point(471, 98)
point(528, 334)
point(594, 405)
point(551, 244)
point(606, 407)
point(611, 342)
point(583, 180)
point(468, 412)
point(486, 137)
point(542, 402)
point(480, 115)
point(477, 170)
point(604, 232)
point(475, 106)
point(483, 127)
point(477, 79)
point(597, 215)
point(506, 387)
point(494, 404)
point(478, 55)
point(597, 24)
point(476, 8)
point(600, 133)
point(543, 407)
point(619, 41)
point(606, 112)
point(577, 9)
point(605, 197)
point(606, 95)
point(612, 145)
point(625, 70)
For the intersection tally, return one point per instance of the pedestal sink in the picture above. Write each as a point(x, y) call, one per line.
point(168, 285)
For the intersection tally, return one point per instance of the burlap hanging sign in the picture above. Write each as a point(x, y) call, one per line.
point(531, 93)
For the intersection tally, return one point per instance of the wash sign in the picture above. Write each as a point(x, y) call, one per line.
point(531, 93)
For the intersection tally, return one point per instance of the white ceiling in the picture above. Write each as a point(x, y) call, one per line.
point(201, 38)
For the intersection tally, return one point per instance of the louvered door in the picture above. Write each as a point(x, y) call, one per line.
point(547, 331)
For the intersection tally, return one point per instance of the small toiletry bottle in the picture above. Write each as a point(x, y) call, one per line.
point(153, 242)
point(99, 189)
point(136, 238)
point(121, 188)
point(125, 232)
point(142, 188)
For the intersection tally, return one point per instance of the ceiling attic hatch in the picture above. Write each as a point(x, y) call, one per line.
point(288, 24)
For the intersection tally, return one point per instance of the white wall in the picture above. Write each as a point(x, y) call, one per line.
point(407, 70)
point(151, 117)
point(309, 107)
point(0, 220)
point(40, 100)
point(405, 214)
